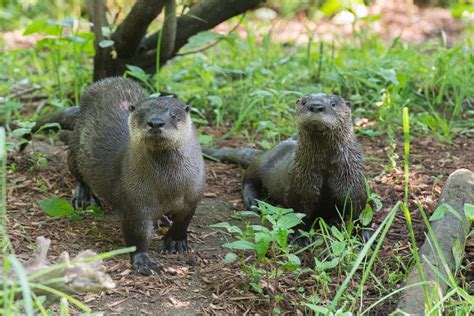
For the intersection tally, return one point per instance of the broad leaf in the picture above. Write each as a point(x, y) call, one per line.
point(56, 207)
point(366, 215)
point(262, 243)
point(240, 245)
point(202, 39)
point(106, 43)
point(230, 257)
point(228, 227)
point(469, 212)
point(441, 211)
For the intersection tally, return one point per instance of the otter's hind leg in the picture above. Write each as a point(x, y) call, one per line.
point(176, 239)
point(83, 195)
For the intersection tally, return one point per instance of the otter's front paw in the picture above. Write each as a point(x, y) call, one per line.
point(84, 200)
point(174, 246)
point(142, 263)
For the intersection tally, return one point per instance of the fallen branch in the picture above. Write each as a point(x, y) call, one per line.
point(452, 227)
point(74, 276)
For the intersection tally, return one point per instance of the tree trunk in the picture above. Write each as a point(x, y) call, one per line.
point(131, 45)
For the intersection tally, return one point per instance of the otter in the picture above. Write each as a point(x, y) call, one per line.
point(140, 154)
point(318, 172)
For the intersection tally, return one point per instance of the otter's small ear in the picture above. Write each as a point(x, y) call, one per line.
point(349, 104)
point(187, 108)
point(131, 108)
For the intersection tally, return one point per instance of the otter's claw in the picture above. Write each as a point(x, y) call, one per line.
point(83, 202)
point(83, 197)
point(143, 264)
point(174, 246)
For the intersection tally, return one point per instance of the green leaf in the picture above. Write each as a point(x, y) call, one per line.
point(441, 211)
point(75, 39)
point(376, 199)
point(240, 245)
point(199, 120)
point(106, 31)
point(256, 287)
point(366, 215)
point(469, 212)
point(76, 216)
point(288, 221)
point(457, 253)
point(281, 237)
point(20, 132)
point(202, 39)
point(35, 27)
point(327, 265)
point(262, 243)
point(317, 309)
point(338, 247)
point(230, 257)
point(95, 210)
point(67, 22)
point(56, 207)
point(228, 227)
point(42, 162)
point(389, 75)
point(248, 214)
point(137, 72)
point(337, 233)
point(48, 125)
point(44, 27)
point(10, 106)
point(293, 262)
point(106, 43)
point(206, 140)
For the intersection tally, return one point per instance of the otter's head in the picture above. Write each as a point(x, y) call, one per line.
point(323, 112)
point(160, 122)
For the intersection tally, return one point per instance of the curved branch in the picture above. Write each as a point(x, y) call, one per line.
point(130, 32)
point(214, 43)
point(96, 10)
point(203, 16)
point(168, 38)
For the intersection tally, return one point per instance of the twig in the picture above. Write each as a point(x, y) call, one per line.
point(216, 42)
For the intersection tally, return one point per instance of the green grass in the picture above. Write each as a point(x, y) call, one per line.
point(251, 86)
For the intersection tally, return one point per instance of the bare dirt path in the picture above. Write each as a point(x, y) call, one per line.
point(199, 282)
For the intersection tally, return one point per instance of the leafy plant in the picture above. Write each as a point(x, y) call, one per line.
point(56, 207)
point(274, 254)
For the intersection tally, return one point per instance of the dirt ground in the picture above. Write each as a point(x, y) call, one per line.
point(199, 282)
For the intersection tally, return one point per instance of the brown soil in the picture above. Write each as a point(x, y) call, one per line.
point(199, 282)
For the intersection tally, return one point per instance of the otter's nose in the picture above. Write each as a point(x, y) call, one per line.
point(317, 107)
point(156, 123)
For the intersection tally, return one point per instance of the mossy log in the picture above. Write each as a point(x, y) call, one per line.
point(453, 227)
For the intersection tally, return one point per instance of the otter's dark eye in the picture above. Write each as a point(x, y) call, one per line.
point(131, 108)
point(303, 102)
point(333, 104)
point(187, 108)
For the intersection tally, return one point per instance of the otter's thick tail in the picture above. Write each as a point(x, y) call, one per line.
point(66, 119)
point(242, 156)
